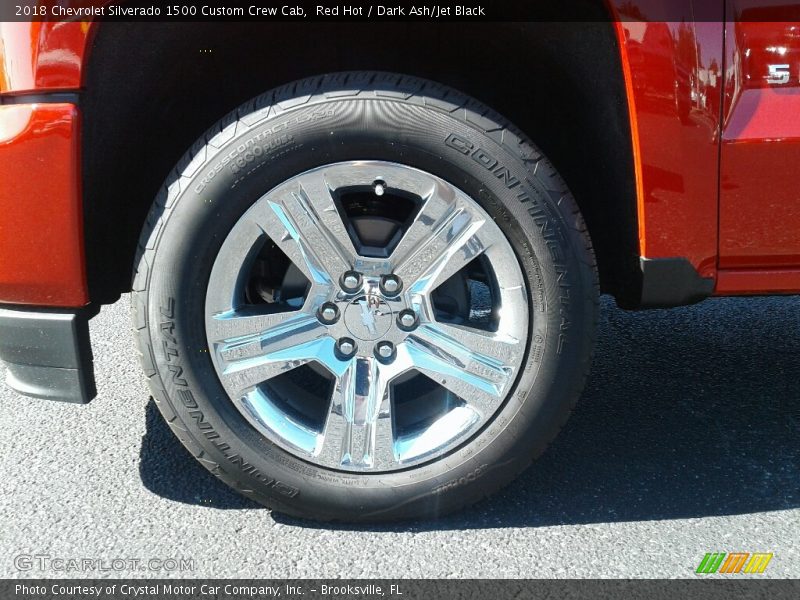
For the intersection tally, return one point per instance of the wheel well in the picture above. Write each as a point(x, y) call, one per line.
point(152, 89)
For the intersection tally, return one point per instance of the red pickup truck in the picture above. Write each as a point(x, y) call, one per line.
point(368, 290)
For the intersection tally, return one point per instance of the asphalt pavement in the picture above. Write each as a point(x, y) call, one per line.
point(686, 441)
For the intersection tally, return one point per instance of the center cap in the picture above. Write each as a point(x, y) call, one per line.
point(368, 317)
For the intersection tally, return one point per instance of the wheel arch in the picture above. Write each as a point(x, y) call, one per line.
point(561, 83)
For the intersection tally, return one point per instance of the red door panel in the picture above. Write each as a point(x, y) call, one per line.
point(760, 154)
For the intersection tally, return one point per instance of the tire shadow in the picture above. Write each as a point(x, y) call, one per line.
point(689, 412)
point(169, 470)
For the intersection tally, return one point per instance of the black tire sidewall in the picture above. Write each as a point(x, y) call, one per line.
point(210, 198)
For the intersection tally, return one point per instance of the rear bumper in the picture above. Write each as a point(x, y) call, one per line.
point(47, 353)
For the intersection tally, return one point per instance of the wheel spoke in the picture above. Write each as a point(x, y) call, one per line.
point(358, 432)
point(303, 221)
point(444, 237)
point(475, 365)
point(234, 324)
point(265, 346)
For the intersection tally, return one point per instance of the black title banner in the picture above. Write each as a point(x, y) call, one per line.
point(398, 10)
point(299, 10)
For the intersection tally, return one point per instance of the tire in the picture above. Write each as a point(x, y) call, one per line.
point(417, 127)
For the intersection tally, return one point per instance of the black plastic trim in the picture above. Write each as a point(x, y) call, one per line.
point(48, 353)
point(668, 282)
point(41, 98)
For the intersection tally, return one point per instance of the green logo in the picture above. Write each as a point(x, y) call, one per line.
point(734, 562)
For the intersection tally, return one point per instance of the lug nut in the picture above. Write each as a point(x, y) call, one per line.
point(407, 319)
point(346, 347)
point(351, 281)
point(328, 313)
point(384, 350)
point(379, 187)
point(391, 285)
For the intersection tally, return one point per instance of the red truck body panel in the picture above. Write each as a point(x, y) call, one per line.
point(759, 248)
point(716, 146)
point(42, 260)
point(41, 216)
point(676, 116)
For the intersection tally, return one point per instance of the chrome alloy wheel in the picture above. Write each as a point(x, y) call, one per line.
point(392, 334)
